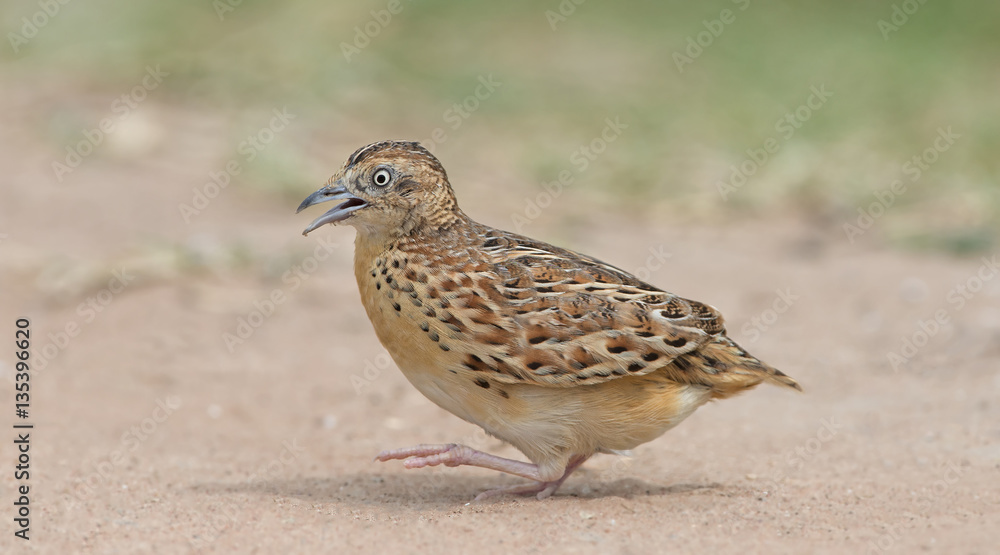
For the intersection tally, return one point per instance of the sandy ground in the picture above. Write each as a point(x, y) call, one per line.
point(154, 434)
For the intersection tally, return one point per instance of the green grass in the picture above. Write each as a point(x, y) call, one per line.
point(606, 59)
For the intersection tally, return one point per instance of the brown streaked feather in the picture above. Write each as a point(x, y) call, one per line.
point(516, 310)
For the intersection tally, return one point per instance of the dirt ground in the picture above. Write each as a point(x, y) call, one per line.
point(164, 424)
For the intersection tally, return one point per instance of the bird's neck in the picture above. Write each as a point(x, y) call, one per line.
point(438, 212)
point(440, 227)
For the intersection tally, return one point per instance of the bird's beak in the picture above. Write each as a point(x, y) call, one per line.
point(338, 213)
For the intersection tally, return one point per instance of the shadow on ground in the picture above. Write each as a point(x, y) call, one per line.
point(433, 490)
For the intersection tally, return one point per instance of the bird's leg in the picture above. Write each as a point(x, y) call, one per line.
point(541, 490)
point(453, 454)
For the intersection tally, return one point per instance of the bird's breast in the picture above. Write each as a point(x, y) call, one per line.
point(407, 323)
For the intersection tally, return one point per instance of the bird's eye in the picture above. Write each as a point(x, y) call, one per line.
point(382, 177)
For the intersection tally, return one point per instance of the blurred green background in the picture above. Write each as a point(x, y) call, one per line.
point(564, 68)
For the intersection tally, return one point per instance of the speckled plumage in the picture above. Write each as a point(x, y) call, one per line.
point(555, 352)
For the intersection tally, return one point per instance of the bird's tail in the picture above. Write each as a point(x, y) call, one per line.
point(738, 370)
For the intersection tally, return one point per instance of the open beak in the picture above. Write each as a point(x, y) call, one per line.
point(338, 213)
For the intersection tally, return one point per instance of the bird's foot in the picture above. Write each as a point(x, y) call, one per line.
point(541, 490)
point(453, 454)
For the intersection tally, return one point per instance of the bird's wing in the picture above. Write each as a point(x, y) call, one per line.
point(535, 313)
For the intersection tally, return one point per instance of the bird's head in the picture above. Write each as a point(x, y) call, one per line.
point(388, 188)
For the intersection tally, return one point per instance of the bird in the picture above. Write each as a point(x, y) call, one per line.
point(554, 352)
